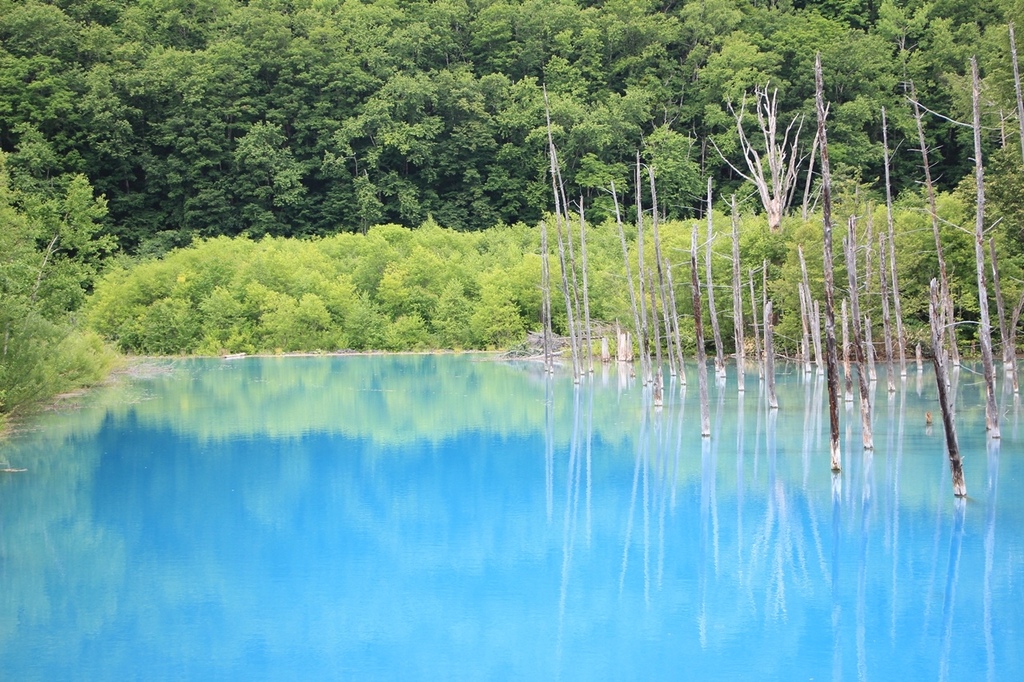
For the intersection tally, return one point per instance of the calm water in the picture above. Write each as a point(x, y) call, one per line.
point(452, 518)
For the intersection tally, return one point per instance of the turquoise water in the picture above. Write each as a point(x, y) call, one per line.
point(447, 517)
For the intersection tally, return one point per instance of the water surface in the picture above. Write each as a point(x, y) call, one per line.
point(443, 517)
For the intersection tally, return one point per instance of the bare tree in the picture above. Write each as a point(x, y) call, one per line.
point(716, 333)
point(1016, 86)
point(985, 335)
point(901, 338)
point(774, 170)
point(832, 364)
point(698, 328)
point(737, 297)
point(956, 468)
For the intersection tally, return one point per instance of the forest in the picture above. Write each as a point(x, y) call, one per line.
point(210, 176)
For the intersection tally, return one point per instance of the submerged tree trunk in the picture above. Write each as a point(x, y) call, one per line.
point(664, 283)
point(831, 361)
point(645, 346)
point(586, 295)
point(956, 469)
point(1007, 331)
point(947, 301)
point(737, 299)
point(757, 333)
point(698, 329)
point(985, 333)
point(719, 356)
point(846, 356)
point(890, 374)
point(769, 357)
point(545, 287)
point(901, 337)
point(858, 338)
point(629, 274)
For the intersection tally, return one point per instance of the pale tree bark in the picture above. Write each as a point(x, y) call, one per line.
point(698, 328)
point(757, 333)
point(947, 300)
point(769, 357)
point(1007, 329)
point(716, 333)
point(858, 338)
point(890, 373)
point(773, 171)
point(664, 282)
point(985, 333)
point(901, 337)
point(629, 274)
point(737, 298)
point(555, 175)
point(846, 355)
point(545, 287)
point(813, 322)
point(1017, 88)
point(645, 346)
point(956, 469)
point(586, 292)
point(831, 361)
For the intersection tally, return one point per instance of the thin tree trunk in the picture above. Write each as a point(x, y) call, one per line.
point(769, 357)
point(1017, 88)
point(985, 335)
point(890, 374)
point(901, 337)
point(846, 356)
point(858, 338)
point(657, 377)
point(832, 365)
point(629, 274)
point(1007, 331)
point(737, 298)
point(719, 357)
point(667, 313)
point(545, 287)
point(555, 174)
point(805, 284)
point(645, 348)
point(757, 333)
point(869, 349)
point(816, 338)
point(698, 329)
point(586, 290)
point(917, 357)
point(805, 335)
point(956, 469)
point(810, 177)
point(947, 301)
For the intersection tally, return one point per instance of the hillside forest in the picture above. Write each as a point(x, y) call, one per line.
point(219, 176)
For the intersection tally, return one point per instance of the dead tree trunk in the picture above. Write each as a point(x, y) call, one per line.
point(545, 288)
point(586, 295)
point(805, 335)
point(846, 356)
point(1017, 89)
point(775, 184)
point(810, 178)
point(555, 188)
point(816, 338)
point(1007, 332)
point(985, 333)
point(737, 299)
point(890, 374)
point(657, 378)
point(832, 365)
point(698, 332)
point(645, 346)
point(956, 469)
point(664, 280)
point(716, 333)
point(858, 338)
point(947, 300)
point(805, 285)
point(769, 356)
point(629, 274)
point(901, 337)
point(757, 333)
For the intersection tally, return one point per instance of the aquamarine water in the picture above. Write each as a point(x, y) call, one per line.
point(452, 517)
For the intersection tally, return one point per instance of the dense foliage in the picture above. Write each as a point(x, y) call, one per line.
point(49, 254)
point(396, 288)
point(299, 117)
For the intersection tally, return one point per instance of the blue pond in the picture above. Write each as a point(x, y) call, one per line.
point(452, 517)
